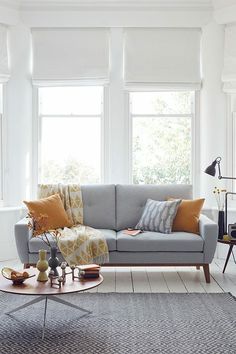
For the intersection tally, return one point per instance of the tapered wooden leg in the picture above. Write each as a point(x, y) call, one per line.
point(207, 273)
point(197, 267)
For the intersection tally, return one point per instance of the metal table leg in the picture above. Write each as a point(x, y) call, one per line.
point(44, 317)
point(228, 255)
point(38, 299)
point(46, 298)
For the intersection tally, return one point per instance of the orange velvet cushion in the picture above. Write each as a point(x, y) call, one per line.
point(187, 217)
point(51, 207)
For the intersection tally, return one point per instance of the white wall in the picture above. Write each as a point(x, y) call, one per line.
point(213, 108)
point(18, 137)
point(18, 118)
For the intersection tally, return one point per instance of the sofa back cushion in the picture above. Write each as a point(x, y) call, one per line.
point(99, 206)
point(131, 200)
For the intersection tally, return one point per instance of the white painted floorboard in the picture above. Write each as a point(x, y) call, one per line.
point(162, 279)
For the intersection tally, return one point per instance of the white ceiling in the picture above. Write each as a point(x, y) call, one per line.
point(168, 4)
point(219, 4)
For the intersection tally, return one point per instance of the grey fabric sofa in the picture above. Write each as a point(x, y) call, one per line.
point(113, 208)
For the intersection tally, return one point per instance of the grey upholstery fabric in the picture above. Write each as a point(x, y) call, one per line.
point(35, 244)
point(22, 236)
point(131, 200)
point(209, 233)
point(155, 258)
point(158, 216)
point(159, 242)
point(135, 258)
point(99, 206)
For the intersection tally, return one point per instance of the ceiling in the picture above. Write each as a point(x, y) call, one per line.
point(168, 4)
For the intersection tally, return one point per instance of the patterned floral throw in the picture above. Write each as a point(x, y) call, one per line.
point(79, 244)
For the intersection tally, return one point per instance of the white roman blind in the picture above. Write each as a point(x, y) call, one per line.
point(4, 61)
point(229, 70)
point(70, 54)
point(162, 56)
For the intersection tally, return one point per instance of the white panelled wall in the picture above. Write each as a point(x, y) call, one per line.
point(212, 108)
point(19, 110)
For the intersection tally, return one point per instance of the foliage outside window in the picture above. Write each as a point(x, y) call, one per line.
point(70, 134)
point(161, 137)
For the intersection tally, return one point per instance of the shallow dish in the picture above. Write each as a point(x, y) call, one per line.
point(6, 272)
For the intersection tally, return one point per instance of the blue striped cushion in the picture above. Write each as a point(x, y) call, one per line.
point(158, 216)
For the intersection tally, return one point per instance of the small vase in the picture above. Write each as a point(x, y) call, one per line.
point(221, 216)
point(54, 261)
point(42, 266)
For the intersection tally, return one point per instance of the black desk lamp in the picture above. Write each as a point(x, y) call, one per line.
point(211, 170)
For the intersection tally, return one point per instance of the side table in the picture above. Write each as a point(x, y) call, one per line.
point(231, 244)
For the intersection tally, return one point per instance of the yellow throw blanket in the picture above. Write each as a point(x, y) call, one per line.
point(79, 244)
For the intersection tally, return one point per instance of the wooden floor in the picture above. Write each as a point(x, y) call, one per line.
point(163, 279)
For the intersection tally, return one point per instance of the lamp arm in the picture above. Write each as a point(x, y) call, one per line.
point(222, 177)
point(219, 170)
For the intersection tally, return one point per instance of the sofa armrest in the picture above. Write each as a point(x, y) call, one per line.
point(22, 236)
point(209, 233)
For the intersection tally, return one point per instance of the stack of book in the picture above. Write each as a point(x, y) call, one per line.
point(89, 271)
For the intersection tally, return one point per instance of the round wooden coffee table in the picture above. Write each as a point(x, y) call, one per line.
point(44, 291)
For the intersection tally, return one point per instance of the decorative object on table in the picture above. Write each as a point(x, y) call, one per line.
point(211, 170)
point(220, 199)
point(55, 281)
point(42, 266)
point(15, 276)
point(58, 281)
point(39, 226)
point(89, 271)
point(53, 261)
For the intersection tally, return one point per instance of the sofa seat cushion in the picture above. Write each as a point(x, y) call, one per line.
point(159, 242)
point(35, 243)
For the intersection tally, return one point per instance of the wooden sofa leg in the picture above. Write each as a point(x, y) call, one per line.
point(207, 273)
point(197, 267)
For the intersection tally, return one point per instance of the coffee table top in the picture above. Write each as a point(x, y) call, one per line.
point(228, 242)
point(33, 287)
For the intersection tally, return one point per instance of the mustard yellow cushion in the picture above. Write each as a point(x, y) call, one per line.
point(51, 207)
point(187, 217)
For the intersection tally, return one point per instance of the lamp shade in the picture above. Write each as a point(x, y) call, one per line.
point(211, 170)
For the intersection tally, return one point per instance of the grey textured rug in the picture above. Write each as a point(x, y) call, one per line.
point(122, 323)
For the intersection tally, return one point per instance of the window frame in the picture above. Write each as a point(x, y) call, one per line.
point(2, 142)
point(231, 145)
point(195, 129)
point(37, 132)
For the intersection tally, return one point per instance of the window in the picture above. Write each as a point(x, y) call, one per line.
point(1, 142)
point(70, 146)
point(161, 137)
